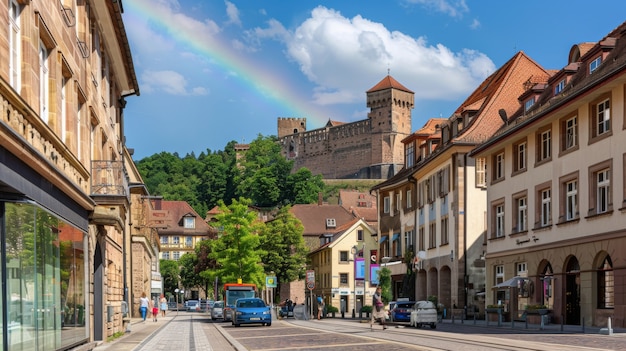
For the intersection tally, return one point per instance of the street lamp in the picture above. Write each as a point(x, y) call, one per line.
point(176, 292)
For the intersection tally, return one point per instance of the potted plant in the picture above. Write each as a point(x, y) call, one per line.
point(537, 309)
point(494, 308)
point(332, 310)
point(367, 309)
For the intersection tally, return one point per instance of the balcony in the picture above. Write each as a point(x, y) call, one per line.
point(108, 178)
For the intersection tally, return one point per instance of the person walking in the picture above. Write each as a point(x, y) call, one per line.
point(155, 309)
point(163, 303)
point(144, 303)
point(379, 309)
point(320, 307)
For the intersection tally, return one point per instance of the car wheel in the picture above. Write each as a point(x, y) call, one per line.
point(418, 325)
point(237, 325)
point(433, 326)
point(268, 324)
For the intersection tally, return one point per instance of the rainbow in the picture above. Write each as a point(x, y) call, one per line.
point(266, 86)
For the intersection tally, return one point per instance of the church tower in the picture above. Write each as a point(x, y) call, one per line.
point(390, 106)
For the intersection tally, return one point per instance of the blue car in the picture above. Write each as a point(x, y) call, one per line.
point(402, 311)
point(251, 311)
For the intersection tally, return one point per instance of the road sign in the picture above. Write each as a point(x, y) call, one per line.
point(270, 281)
point(310, 286)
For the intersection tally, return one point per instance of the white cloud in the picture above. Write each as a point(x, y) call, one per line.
point(170, 82)
point(475, 24)
point(233, 13)
point(342, 55)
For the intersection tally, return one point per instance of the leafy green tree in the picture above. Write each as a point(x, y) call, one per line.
point(283, 248)
point(206, 266)
point(303, 187)
point(169, 274)
point(236, 250)
point(188, 276)
point(384, 281)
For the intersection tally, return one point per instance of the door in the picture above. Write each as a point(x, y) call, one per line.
point(572, 293)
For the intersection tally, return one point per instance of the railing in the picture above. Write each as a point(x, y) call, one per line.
point(108, 178)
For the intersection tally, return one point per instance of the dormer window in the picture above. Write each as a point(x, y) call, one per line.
point(529, 103)
point(189, 222)
point(559, 87)
point(595, 64)
point(331, 223)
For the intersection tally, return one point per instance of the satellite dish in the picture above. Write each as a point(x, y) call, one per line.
point(421, 255)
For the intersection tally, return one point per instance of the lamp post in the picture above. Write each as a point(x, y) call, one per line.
point(176, 292)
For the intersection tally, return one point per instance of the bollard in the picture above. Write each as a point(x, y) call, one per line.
point(452, 316)
point(499, 317)
point(474, 317)
point(541, 326)
point(583, 325)
point(512, 323)
point(610, 327)
point(526, 322)
point(562, 321)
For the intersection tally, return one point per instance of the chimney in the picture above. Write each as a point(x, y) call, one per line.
point(320, 199)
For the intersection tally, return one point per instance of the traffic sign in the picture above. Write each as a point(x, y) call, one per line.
point(310, 285)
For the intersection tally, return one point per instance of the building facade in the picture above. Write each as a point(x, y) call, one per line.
point(65, 71)
point(556, 189)
point(366, 149)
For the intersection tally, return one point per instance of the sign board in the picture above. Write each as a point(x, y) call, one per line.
point(310, 286)
point(271, 281)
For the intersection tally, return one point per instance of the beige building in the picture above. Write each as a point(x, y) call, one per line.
point(345, 273)
point(556, 188)
point(433, 211)
point(65, 72)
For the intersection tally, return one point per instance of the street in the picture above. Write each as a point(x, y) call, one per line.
point(189, 331)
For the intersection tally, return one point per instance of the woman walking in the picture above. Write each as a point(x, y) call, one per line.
point(144, 303)
point(379, 309)
point(163, 303)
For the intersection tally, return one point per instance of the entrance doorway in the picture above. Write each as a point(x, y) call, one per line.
point(572, 292)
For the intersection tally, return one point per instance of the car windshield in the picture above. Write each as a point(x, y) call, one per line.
point(405, 305)
point(250, 303)
point(218, 304)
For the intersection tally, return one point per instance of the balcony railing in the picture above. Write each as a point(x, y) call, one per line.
point(108, 178)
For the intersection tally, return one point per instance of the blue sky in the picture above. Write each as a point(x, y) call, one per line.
point(212, 71)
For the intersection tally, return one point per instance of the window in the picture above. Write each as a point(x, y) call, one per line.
point(44, 85)
point(165, 255)
point(544, 141)
point(606, 284)
point(409, 201)
point(331, 223)
point(15, 56)
point(176, 240)
point(595, 64)
point(422, 239)
point(498, 166)
point(559, 87)
point(444, 231)
point(529, 103)
point(165, 239)
point(569, 133)
point(432, 235)
point(397, 248)
point(343, 278)
point(481, 171)
point(398, 202)
point(601, 195)
point(176, 255)
point(546, 204)
point(343, 256)
point(189, 241)
point(519, 155)
point(572, 200)
point(600, 118)
point(63, 109)
point(521, 204)
point(522, 270)
point(499, 274)
point(568, 197)
point(386, 204)
point(190, 222)
point(408, 240)
point(498, 228)
point(359, 235)
point(409, 154)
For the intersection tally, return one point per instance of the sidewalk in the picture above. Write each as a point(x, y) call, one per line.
point(136, 333)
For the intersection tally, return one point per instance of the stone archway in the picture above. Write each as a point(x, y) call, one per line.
point(421, 294)
point(572, 291)
point(433, 283)
point(445, 288)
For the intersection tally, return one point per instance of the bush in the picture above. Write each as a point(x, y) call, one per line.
point(366, 309)
point(331, 309)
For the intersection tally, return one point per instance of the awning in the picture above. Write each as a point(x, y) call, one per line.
point(395, 237)
point(511, 283)
point(383, 239)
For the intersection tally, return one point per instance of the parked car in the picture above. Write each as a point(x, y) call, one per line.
point(424, 313)
point(217, 311)
point(192, 306)
point(402, 311)
point(251, 310)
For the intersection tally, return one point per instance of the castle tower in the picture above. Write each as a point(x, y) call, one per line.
point(390, 106)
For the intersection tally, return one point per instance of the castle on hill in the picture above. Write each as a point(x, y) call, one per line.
point(366, 149)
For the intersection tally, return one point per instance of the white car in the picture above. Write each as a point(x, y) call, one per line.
point(424, 313)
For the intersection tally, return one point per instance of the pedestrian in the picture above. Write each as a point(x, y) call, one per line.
point(379, 309)
point(163, 302)
point(155, 310)
point(144, 303)
point(320, 307)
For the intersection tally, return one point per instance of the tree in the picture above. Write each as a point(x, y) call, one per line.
point(206, 266)
point(188, 276)
point(236, 250)
point(303, 187)
point(384, 281)
point(169, 274)
point(283, 248)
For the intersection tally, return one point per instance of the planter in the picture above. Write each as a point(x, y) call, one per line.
point(539, 311)
point(494, 310)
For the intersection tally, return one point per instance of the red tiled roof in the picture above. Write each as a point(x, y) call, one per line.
point(313, 217)
point(387, 83)
point(176, 210)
